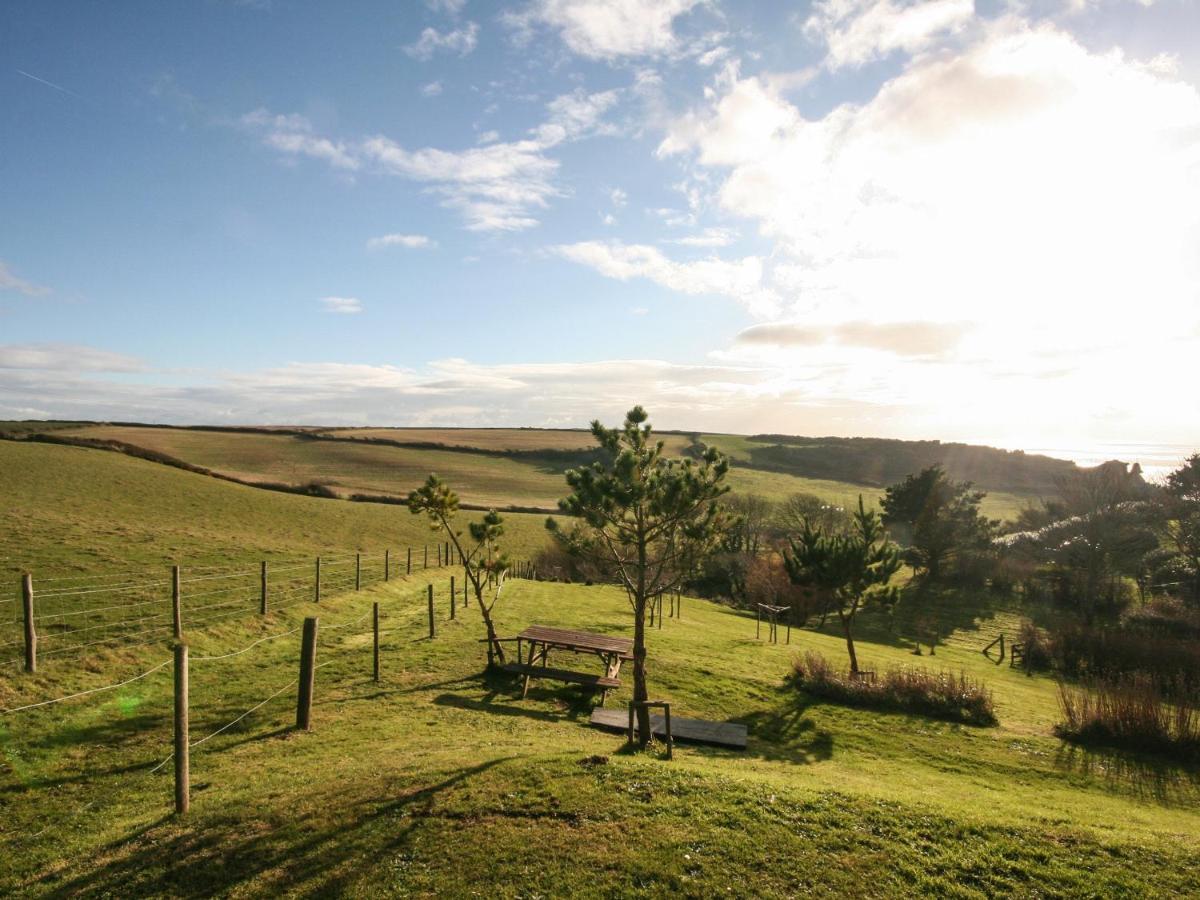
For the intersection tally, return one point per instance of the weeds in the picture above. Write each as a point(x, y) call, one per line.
point(942, 695)
point(1130, 713)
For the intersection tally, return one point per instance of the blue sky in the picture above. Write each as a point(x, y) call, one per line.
point(936, 219)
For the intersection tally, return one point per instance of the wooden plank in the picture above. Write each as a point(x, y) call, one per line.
point(585, 678)
point(697, 731)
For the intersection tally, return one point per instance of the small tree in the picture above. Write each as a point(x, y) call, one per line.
point(1180, 521)
point(647, 519)
point(939, 517)
point(484, 565)
point(852, 569)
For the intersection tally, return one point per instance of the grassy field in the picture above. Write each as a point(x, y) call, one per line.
point(439, 781)
point(505, 439)
point(480, 478)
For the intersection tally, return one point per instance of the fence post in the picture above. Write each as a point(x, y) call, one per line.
point(375, 628)
point(30, 630)
point(317, 583)
point(425, 564)
point(439, 554)
point(453, 597)
point(679, 606)
point(308, 669)
point(387, 565)
point(466, 596)
point(670, 737)
point(262, 577)
point(182, 762)
point(358, 571)
point(431, 625)
point(1001, 646)
point(757, 622)
point(408, 567)
point(176, 612)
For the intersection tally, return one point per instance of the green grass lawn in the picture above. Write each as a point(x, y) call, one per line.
point(439, 781)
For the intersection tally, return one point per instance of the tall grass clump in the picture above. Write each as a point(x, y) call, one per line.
point(1130, 713)
point(941, 695)
point(1115, 653)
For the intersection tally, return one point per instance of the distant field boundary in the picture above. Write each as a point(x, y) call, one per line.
point(311, 489)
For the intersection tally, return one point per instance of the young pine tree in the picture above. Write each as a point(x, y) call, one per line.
point(648, 519)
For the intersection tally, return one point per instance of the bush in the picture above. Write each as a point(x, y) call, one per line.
point(1130, 713)
point(941, 695)
point(1038, 653)
point(1083, 651)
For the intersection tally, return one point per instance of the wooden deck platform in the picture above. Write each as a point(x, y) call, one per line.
point(695, 731)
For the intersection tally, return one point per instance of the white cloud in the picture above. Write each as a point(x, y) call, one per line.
point(433, 89)
point(410, 241)
point(496, 187)
point(607, 29)
point(66, 358)
point(709, 237)
point(449, 7)
point(913, 339)
point(293, 135)
point(488, 137)
point(618, 197)
point(461, 41)
point(741, 279)
point(1024, 182)
point(342, 305)
point(859, 31)
point(10, 282)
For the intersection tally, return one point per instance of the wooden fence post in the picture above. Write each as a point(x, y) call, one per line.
point(431, 625)
point(375, 628)
point(182, 751)
point(176, 612)
point(1001, 646)
point(387, 565)
point(757, 622)
point(358, 571)
point(408, 567)
point(317, 583)
point(308, 670)
point(30, 629)
point(262, 586)
point(453, 597)
point(439, 554)
point(466, 596)
point(425, 564)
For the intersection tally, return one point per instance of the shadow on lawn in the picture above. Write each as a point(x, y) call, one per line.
point(1149, 777)
point(169, 857)
point(786, 734)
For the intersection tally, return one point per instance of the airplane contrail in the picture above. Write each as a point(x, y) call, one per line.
point(48, 84)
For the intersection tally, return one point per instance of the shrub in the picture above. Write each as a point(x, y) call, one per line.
point(1083, 651)
point(1130, 713)
point(942, 695)
point(1037, 650)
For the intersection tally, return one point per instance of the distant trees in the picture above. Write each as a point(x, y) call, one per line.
point(799, 508)
point(1179, 521)
point(648, 519)
point(939, 519)
point(852, 569)
point(484, 564)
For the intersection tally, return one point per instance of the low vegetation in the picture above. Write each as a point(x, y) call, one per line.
point(940, 695)
point(1130, 713)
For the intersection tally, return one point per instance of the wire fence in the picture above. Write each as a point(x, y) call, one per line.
point(338, 641)
point(76, 615)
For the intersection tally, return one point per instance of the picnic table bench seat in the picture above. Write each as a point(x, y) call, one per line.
point(585, 678)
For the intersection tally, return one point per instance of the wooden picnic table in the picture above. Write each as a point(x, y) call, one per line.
point(612, 651)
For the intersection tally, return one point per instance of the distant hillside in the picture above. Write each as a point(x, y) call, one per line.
point(882, 461)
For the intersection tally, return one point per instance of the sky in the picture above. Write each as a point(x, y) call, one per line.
point(944, 219)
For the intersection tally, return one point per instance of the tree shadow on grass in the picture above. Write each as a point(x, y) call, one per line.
point(785, 733)
point(1150, 777)
point(293, 855)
